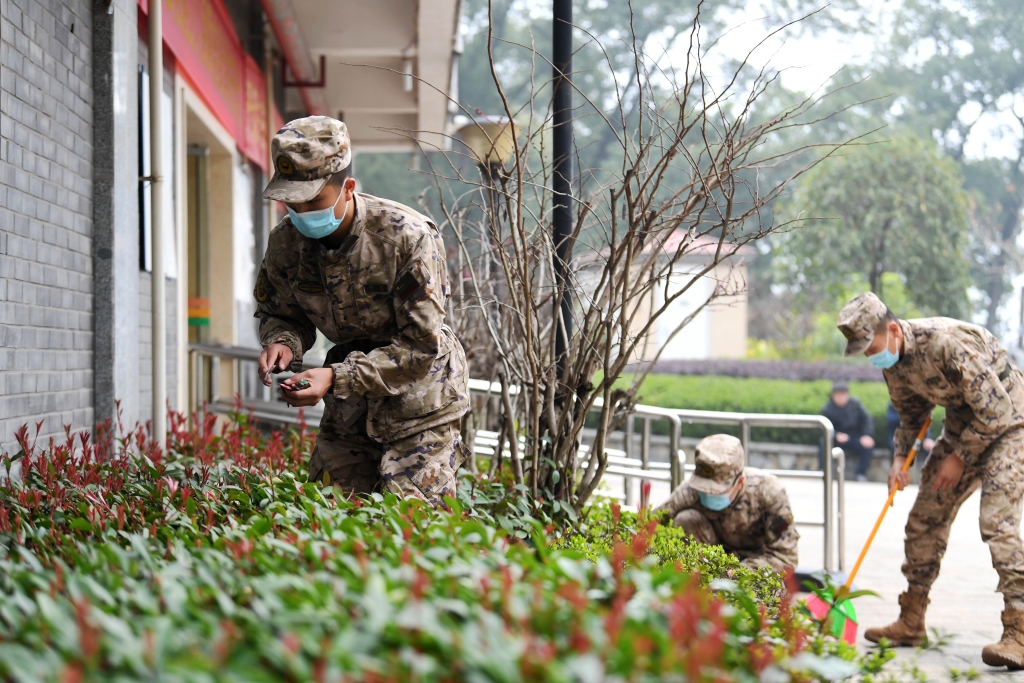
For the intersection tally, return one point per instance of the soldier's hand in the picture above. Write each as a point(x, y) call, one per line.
point(898, 478)
point(950, 471)
point(320, 381)
point(275, 358)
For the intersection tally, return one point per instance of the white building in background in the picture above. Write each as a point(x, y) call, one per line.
point(717, 331)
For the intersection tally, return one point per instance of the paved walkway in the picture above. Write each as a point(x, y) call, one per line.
point(964, 604)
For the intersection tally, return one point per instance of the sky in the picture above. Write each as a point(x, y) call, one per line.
point(807, 59)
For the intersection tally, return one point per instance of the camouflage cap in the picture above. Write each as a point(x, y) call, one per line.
point(858, 321)
point(306, 153)
point(719, 462)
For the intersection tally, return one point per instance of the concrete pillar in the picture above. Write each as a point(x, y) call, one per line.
point(116, 210)
point(223, 328)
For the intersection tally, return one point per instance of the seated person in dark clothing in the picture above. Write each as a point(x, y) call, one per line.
point(854, 427)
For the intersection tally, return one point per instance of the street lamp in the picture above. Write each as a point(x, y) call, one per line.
point(491, 141)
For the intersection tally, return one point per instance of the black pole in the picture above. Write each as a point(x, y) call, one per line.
point(561, 182)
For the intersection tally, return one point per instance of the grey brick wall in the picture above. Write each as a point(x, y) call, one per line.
point(46, 278)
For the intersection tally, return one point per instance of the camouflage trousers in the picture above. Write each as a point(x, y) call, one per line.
point(697, 525)
point(694, 522)
point(1000, 475)
point(422, 465)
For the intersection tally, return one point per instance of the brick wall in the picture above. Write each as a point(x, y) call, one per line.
point(46, 280)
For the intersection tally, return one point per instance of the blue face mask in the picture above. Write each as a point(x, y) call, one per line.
point(714, 502)
point(884, 359)
point(316, 224)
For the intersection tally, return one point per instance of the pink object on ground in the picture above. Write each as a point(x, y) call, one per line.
point(842, 620)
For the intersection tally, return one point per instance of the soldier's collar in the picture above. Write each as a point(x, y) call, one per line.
point(909, 341)
point(358, 220)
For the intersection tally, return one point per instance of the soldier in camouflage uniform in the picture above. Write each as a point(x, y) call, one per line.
point(745, 510)
point(939, 361)
point(370, 275)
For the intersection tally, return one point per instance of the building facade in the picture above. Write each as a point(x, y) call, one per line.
point(717, 331)
point(706, 316)
point(75, 202)
point(47, 111)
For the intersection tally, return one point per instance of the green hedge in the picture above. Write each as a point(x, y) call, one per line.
point(670, 545)
point(756, 395)
point(217, 561)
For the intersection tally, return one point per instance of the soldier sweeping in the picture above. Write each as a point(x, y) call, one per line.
point(370, 275)
point(939, 361)
point(745, 510)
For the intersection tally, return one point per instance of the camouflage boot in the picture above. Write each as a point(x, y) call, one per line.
point(909, 629)
point(1009, 651)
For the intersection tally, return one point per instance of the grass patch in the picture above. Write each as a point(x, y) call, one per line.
point(757, 395)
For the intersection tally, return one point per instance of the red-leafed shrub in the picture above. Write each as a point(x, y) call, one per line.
point(214, 559)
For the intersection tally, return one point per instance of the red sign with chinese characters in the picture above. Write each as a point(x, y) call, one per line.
point(206, 48)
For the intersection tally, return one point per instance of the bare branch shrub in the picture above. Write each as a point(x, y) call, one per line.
point(697, 165)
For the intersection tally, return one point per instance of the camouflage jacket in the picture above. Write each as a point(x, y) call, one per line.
point(758, 527)
point(380, 297)
point(963, 368)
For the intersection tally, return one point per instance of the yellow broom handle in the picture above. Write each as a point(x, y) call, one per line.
point(892, 494)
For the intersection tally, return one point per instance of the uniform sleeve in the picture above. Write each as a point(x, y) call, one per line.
point(282, 320)
point(913, 410)
point(421, 291)
point(683, 498)
point(781, 537)
point(987, 397)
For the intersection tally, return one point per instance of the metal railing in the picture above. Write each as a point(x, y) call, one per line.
point(219, 373)
point(619, 462)
point(216, 386)
point(834, 501)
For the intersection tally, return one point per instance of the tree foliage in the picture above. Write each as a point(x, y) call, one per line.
point(953, 71)
point(896, 207)
point(973, 75)
point(610, 34)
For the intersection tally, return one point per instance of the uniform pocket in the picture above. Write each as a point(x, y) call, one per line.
point(428, 396)
point(375, 314)
point(438, 398)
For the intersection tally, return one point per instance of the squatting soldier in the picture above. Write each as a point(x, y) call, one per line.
point(939, 361)
point(370, 275)
point(745, 510)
